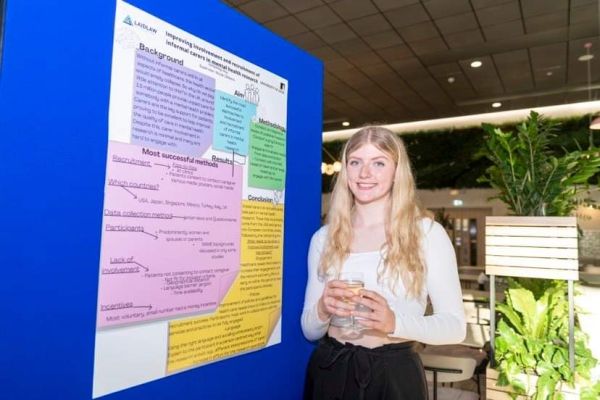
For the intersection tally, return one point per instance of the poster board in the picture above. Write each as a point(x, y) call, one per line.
point(192, 233)
point(54, 96)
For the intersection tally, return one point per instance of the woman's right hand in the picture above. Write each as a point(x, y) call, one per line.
point(331, 301)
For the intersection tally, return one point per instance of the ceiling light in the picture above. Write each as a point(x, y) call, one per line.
point(451, 79)
point(345, 123)
point(497, 104)
point(457, 203)
point(476, 64)
point(585, 57)
point(549, 73)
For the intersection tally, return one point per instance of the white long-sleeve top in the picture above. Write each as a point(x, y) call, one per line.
point(447, 323)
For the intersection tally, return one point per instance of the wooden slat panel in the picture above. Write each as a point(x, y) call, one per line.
point(491, 382)
point(495, 392)
point(554, 263)
point(534, 247)
point(531, 241)
point(526, 272)
point(531, 221)
point(491, 394)
point(536, 231)
point(542, 252)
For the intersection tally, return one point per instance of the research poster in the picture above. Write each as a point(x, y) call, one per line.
point(192, 230)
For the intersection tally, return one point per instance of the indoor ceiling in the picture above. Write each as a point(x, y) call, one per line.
point(389, 61)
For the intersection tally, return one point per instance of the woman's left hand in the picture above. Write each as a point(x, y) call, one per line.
point(380, 318)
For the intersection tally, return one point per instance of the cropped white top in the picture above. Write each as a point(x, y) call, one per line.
point(447, 323)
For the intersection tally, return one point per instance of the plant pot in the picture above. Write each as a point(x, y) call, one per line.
point(495, 392)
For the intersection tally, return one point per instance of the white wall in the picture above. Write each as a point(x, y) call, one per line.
point(472, 198)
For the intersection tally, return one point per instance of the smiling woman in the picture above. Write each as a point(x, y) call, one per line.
point(376, 230)
point(370, 174)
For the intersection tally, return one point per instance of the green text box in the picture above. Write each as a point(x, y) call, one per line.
point(267, 157)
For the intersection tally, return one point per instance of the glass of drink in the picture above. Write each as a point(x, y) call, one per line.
point(355, 282)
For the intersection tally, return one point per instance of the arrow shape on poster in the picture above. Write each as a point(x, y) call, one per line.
point(149, 234)
point(163, 165)
point(137, 263)
point(129, 191)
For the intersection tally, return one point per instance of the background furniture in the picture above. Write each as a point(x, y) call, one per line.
point(448, 369)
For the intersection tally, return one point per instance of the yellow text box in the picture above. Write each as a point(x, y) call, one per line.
point(249, 312)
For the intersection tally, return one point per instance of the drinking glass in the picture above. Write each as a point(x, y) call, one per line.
point(355, 282)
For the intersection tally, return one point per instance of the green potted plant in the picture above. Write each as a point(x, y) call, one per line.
point(533, 340)
point(531, 350)
point(529, 177)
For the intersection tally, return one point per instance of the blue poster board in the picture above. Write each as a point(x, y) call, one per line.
point(54, 96)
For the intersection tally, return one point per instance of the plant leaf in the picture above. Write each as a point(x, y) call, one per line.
point(523, 301)
point(514, 318)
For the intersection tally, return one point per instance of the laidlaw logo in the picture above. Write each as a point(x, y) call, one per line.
point(142, 25)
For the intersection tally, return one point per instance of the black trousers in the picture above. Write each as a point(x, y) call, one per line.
point(339, 371)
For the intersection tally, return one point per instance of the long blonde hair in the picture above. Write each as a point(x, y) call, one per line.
point(401, 253)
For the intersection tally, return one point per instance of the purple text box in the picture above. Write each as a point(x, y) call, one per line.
point(170, 235)
point(173, 106)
